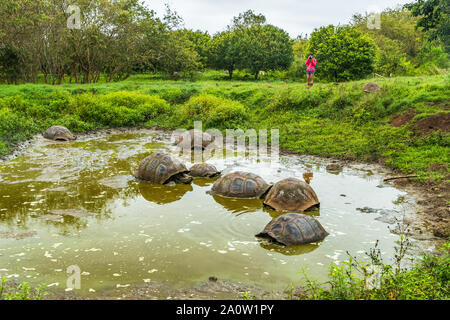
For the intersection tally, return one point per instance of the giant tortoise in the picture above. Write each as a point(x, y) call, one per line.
point(204, 170)
point(194, 139)
point(161, 168)
point(294, 229)
point(371, 87)
point(240, 185)
point(58, 133)
point(291, 195)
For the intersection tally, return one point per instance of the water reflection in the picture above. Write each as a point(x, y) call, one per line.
point(315, 212)
point(239, 206)
point(204, 182)
point(288, 250)
point(163, 194)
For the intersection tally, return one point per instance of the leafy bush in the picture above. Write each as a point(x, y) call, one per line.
point(215, 112)
point(14, 128)
point(22, 291)
point(343, 53)
point(119, 108)
point(377, 280)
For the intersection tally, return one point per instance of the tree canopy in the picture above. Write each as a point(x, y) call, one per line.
point(116, 38)
point(343, 53)
point(434, 18)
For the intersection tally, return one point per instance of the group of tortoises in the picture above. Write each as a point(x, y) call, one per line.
point(289, 195)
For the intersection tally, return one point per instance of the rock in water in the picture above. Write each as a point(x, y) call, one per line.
point(334, 167)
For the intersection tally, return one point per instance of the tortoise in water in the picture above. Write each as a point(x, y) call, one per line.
point(291, 195)
point(161, 168)
point(240, 185)
point(204, 170)
point(188, 140)
point(294, 229)
point(371, 87)
point(58, 133)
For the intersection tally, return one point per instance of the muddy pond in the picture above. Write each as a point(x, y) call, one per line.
point(77, 204)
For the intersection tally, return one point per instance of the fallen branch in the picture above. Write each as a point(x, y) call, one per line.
point(397, 178)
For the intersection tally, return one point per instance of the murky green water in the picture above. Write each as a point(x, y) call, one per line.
point(124, 232)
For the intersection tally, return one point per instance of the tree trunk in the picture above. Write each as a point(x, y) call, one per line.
point(230, 72)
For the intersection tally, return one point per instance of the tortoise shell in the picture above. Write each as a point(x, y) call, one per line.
point(294, 229)
point(204, 170)
point(371, 87)
point(291, 195)
point(240, 185)
point(58, 133)
point(189, 139)
point(159, 168)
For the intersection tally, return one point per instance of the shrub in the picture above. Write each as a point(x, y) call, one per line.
point(13, 128)
point(119, 108)
point(22, 291)
point(215, 112)
point(426, 280)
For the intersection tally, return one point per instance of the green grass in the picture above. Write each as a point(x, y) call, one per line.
point(328, 120)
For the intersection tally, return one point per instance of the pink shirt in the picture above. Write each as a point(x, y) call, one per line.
point(311, 65)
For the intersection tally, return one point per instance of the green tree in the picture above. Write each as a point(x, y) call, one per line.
point(343, 53)
point(300, 48)
point(247, 19)
point(266, 48)
point(201, 42)
point(398, 41)
point(9, 65)
point(178, 55)
point(434, 18)
point(225, 51)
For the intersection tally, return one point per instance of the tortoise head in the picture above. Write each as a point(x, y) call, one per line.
point(270, 186)
point(183, 178)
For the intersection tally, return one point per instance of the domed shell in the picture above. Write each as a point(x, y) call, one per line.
point(189, 139)
point(159, 167)
point(294, 229)
point(58, 133)
point(371, 87)
point(291, 195)
point(204, 170)
point(240, 185)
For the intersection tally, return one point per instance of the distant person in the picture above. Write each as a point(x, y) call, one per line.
point(310, 69)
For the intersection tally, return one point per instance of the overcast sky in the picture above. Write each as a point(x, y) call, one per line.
point(294, 16)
